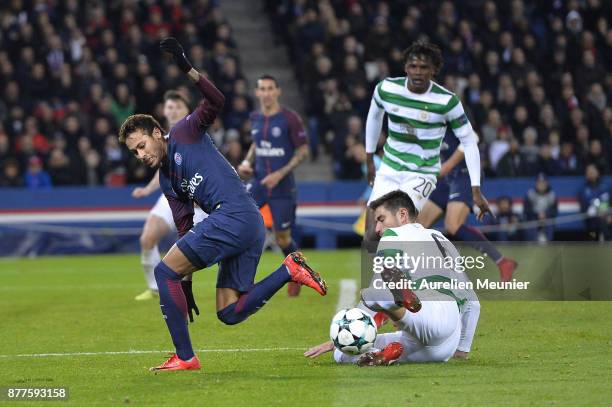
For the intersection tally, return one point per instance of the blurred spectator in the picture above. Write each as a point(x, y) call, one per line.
point(36, 176)
point(512, 164)
point(596, 157)
point(507, 221)
point(10, 176)
point(594, 198)
point(570, 164)
point(540, 204)
point(547, 164)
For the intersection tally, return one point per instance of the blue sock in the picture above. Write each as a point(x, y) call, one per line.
point(478, 241)
point(174, 309)
point(290, 249)
point(251, 301)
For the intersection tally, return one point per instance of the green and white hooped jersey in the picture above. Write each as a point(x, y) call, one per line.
point(418, 242)
point(417, 123)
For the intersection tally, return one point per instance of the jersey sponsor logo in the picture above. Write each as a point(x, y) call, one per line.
point(265, 149)
point(189, 186)
point(408, 129)
point(178, 159)
point(276, 131)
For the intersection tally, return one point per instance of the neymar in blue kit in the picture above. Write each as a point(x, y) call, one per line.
point(191, 170)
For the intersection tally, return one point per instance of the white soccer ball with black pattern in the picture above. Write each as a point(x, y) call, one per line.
point(352, 331)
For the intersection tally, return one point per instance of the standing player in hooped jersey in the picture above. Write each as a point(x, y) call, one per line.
point(453, 197)
point(191, 170)
point(279, 145)
point(419, 111)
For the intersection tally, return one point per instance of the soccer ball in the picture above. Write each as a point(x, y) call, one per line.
point(352, 331)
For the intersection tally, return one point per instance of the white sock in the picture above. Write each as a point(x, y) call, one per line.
point(149, 259)
point(405, 321)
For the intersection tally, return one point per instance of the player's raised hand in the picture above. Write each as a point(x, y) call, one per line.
point(173, 47)
point(371, 169)
point(272, 179)
point(245, 169)
point(481, 202)
point(319, 349)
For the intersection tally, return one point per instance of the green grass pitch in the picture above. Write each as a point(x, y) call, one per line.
point(525, 353)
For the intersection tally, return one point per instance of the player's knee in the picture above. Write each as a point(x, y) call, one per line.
point(162, 272)
point(229, 317)
point(147, 242)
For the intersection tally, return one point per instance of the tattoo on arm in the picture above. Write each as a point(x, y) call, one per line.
point(300, 154)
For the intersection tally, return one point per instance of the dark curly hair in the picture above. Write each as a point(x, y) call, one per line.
point(426, 49)
point(144, 122)
point(395, 200)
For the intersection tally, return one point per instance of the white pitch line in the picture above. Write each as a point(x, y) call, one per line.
point(348, 292)
point(141, 352)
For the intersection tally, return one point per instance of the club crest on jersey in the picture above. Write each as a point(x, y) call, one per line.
point(424, 116)
point(178, 159)
point(276, 131)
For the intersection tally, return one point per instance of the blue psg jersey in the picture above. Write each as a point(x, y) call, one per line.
point(276, 138)
point(195, 171)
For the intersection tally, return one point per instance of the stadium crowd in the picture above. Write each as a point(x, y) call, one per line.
point(72, 71)
point(535, 77)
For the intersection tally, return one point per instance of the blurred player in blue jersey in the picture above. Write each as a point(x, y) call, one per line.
point(453, 196)
point(191, 170)
point(279, 145)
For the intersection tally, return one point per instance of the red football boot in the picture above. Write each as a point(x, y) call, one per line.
point(301, 273)
point(174, 363)
point(388, 356)
point(380, 318)
point(506, 267)
point(404, 297)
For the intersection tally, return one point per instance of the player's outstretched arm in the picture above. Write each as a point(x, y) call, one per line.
point(319, 349)
point(452, 162)
point(373, 128)
point(213, 100)
point(245, 169)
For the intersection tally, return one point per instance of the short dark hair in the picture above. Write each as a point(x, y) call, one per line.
point(267, 77)
point(395, 200)
point(426, 49)
point(176, 95)
point(135, 122)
